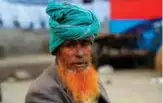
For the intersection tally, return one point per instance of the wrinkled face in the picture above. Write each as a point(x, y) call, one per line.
point(75, 54)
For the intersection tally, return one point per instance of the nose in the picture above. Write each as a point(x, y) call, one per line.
point(79, 51)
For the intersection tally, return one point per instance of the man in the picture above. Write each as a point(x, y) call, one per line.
point(72, 79)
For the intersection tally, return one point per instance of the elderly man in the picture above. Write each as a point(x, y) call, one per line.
point(72, 79)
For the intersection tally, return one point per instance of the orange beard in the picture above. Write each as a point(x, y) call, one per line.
point(82, 85)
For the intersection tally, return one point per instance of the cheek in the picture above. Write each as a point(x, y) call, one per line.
point(88, 52)
point(66, 54)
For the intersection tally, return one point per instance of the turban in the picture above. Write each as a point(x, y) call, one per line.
point(69, 22)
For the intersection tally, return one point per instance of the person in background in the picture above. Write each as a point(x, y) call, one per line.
point(72, 78)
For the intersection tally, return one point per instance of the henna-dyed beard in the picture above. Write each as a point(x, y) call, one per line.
point(81, 85)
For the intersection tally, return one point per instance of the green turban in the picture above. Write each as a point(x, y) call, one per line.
point(69, 22)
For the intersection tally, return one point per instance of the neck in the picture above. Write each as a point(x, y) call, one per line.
point(81, 85)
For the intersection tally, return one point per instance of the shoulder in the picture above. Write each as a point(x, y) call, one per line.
point(44, 88)
point(45, 80)
point(103, 93)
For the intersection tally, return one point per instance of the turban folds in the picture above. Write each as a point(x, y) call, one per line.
point(69, 22)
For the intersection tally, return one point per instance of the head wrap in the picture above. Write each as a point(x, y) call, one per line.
point(69, 22)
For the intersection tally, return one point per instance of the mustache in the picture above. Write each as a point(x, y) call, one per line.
point(80, 61)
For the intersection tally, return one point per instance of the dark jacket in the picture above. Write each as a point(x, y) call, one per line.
point(47, 89)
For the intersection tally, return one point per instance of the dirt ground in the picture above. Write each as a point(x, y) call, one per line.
point(123, 86)
point(133, 86)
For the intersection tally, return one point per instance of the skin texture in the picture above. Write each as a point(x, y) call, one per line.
point(75, 55)
point(76, 71)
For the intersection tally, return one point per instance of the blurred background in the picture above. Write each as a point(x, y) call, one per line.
point(127, 52)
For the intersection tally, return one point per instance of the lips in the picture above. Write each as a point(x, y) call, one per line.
point(81, 64)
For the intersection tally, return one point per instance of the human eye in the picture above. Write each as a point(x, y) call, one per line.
point(69, 44)
point(86, 43)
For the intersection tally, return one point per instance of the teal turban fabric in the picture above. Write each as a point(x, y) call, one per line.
point(69, 22)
